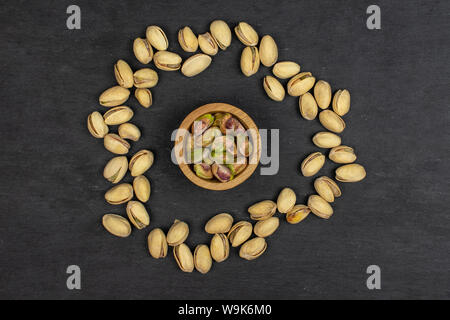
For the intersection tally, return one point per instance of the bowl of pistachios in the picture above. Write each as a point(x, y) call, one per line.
point(218, 146)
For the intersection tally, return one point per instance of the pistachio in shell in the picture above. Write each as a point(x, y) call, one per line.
point(183, 257)
point(350, 173)
point(142, 50)
point(253, 248)
point(115, 169)
point(96, 125)
point(157, 38)
point(187, 39)
point(300, 84)
point(203, 171)
point(246, 34)
point(286, 200)
point(266, 228)
point(137, 214)
point(250, 61)
point(273, 88)
point(141, 162)
point(178, 233)
point(332, 121)
point(320, 207)
point(297, 214)
point(325, 139)
point(116, 144)
point(308, 106)
point(219, 247)
point(142, 188)
point(220, 223)
point(239, 233)
point(129, 131)
point(322, 94)
point(119, 194)
point(312, 164)
point(116, 225)
point(262, 210)
point(207, 44)
point(221, 33)
point(123, 74)
point(268, 51)
point(157, 243)
point(341, 102)
point(285, 69)
point(202, 259)
point(342, 154)
point(327, 188)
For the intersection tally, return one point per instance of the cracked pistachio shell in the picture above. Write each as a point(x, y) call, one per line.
point(115, 169)
point(167, 61)
point(178, 233)
point(118, 115)
point(116, 144)
point(326, 139)
point(320, 207)
point(268, 51)
point(137, 214)
point(312, 164)
point(262, 210)
point(350, 173)
point(341, 102)
point(342, 154)
point(308, 106)
point(285, 69)
point(297, 214)
point(195, 64)
point(327, 188)
point(119, 194)
point(239, 233)
point(246, 34)
point(220, 247)
point(253, 248)
point(144, 97)
point(331, 121)
point(221, 33)
point(123, 74)
point(183, 257)
point(220, 223)
point(157, 38)
point(142, 188)
point(286, 200)
point(322, 94)
point(202, 258)
point(96, 125)
point(207, 44)
point(129, 131)
point(141, 162)
point(157, 244)
point(145, 78)
point(266, 227)
point(142, 50)
point(249, 61)
point(300, 84)
point(116, 225)
point(187, 39)
point(273, 88)
point(114, 96)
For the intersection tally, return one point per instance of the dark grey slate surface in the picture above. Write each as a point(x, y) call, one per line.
point(51, 195)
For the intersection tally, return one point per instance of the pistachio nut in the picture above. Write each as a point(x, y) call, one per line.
point(297, 214)
point(178, 233)
point(220, 247)
point(141, 162)
point(238, 167)
point(137, 214)
point(239, 233)
point(116, 225)
point(273, 88)
point(202, 123)
point(246, 34)
point(265, 228)
point(326, 139)
point(183, 257)
point(222, 173)
point(342, 154)
point(285, 69)
point(341, 102)
point(142, 188)
point(300, 84)
point(123, 74)
point(115, 169)
point(157, 38)
point(210, 135)
point(268, 51)
point(312, 164)
point(195, 64)
point(118, 115)
point(221, 33)
point(142, 50)
point(187, 39)
point(320, 207)
point(220, 223)
point(322, 93)
point(157, 244)
point(253, 248)
point(202, 258)
point(332, 121)
point(129, 131)
point(308, 106)
point(249, 61)
point(203, 171)
point(116, 144)
point(262, 210)
point(286, 200)
point(167, 61)
point(327, 188)
point(96, 125)
point(119, 194)
point(114, 96)
point(145, 78)
point(350, 173)
point(144, 97)
point(207, 44)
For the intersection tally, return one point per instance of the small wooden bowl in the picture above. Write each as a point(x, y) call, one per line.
point(186, 125)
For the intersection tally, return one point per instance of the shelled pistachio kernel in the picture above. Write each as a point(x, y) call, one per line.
point(141, 162)
point(196, 64)
point(322, 94)
point(96, 125)
point(246, 34)
point(220, 223)
point(115, 144)
point(119, 194)
point(145, 78)
point(142, 188)
point(221, 33)
point(137, 214)
point(207, 44)
point(177, 233)
point(129, 131)
point(219, 247)
point(273, 88)
point(253, 248)
point(286, 200)
point(142, 50)
point(114, 96)
point(116, 225)
point(265, 228)
point(262, 210)
point(115, 169)
point(350, 173)
point(157, 244)
point(327, 188)
point(285, 69)
point(297, 214)
point(202, 259)
point(312, 164)
point(325, 139)
point(341, 102)
point(320, 207)
point(249, 61)
point(331, 121)
point(183, 257)
point(308, 106)
point(123, 74)
point(268, 51)
point(342, 154)
point(157, 38)
point(118, 115)
point(144, 97)
point(239, 233)
point(167, 61)
point(300, 84)
point(187, 39)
